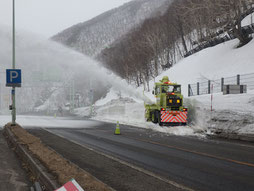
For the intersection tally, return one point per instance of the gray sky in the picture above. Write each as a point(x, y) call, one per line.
point(48, 17)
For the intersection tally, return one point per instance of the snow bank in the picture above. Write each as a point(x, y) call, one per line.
point(42, 121)
point(231, 113)
point(128, 111)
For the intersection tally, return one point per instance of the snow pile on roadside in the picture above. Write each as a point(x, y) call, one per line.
point(131, 112)
point(232, 113)
point(116, 108)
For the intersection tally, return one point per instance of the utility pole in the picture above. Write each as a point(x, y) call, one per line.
point(13, 65)
point(70, 97)
point(1, 98)
point(91, 96)
point(72, 92)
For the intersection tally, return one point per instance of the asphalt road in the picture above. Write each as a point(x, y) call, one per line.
point(193, 162)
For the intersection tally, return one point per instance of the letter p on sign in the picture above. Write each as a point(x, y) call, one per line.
point(13, 75)
point(13, 78)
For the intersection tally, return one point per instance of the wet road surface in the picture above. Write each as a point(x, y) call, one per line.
point(193, 162)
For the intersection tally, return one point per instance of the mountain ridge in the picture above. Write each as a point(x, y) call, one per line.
point(92, 36)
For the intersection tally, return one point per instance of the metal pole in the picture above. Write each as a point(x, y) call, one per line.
point(238, 79)
point(91, 97)
point(13, 65)
point(189, 90)
point(197, 88)
point(72, 90)
point(70, 97)
point(222, 84)
point(73, 94)
point(1, 98)
point(209, 86)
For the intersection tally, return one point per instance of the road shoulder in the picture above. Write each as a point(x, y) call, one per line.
point(12, 176)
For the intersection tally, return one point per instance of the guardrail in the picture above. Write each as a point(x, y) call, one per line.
point(216, 86)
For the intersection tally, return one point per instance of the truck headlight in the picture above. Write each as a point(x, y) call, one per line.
point(178, 101)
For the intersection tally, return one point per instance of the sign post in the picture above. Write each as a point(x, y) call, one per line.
point(13, 65)
point(13, 76)
point(13, 79)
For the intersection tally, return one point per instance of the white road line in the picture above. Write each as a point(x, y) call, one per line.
point(127, 164)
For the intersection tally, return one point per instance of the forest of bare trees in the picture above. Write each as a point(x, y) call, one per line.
point(161, 41)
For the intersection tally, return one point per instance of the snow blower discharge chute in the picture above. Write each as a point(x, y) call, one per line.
point(169, 109)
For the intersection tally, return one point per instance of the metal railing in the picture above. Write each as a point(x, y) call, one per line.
point(216, 86)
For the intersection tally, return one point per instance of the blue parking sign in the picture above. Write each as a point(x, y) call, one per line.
point(13, 78)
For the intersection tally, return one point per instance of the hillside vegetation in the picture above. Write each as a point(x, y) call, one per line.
point(161, 41)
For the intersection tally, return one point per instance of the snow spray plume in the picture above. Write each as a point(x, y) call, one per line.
point(107, 77)
point(47, 66)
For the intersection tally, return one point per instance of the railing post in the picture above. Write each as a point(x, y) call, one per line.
point(209, 86)
point(238, 79)
point(222, 84)
point(198, 88)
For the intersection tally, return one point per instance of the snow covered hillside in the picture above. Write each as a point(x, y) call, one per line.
point(224, 60)
point(98, 33)
point(231, 114)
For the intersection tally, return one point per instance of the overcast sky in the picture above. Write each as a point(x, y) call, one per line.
point(48, 17)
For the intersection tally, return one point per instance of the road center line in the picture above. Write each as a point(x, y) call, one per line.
point(194, 152)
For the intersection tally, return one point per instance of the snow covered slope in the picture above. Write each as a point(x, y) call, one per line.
point(224, 60)
point(96, 34)
point(231, 113)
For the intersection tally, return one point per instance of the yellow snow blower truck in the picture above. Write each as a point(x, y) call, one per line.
point(169, 109)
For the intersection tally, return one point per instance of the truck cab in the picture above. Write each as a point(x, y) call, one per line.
point(169, 107)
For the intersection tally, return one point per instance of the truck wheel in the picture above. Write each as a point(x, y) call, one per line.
point(154, 117)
